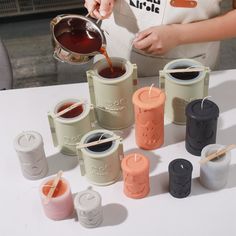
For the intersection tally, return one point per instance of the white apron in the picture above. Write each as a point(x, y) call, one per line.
point(132, 16)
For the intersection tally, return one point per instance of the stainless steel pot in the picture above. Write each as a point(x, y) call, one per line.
point(67, 23)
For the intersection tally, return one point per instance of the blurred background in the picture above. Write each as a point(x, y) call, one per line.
point(25, 32)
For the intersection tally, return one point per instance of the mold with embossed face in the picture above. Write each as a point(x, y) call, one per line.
point(99, 155)
point(69, 120)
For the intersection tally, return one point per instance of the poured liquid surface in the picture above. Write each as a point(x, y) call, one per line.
point(79, 42)
point(116, 72)
point(72, 113)
point(78, 36)
point(184, 75)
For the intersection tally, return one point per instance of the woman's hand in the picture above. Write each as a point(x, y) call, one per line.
point(157, 40)
point(99, 9)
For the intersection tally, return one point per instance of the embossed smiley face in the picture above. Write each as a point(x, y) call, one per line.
point(200, 132)
point(150, 124)
point(147, 117)
point(34, 165)
point(91, 218)
point(137, 184)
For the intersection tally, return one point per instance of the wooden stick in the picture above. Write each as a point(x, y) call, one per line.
point(98, 142)
point(54, 186)
point(217, 154)
point(68, 109)
point(196, 69)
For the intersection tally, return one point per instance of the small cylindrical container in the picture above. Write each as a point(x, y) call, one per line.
point(88, 205)
point(30, 150)
point(214, 173)
point(60, 205)
point(201, 125)
point(136, 175)
point(68, 129)
point(149, 117)
point(111, 92)
point(183, 87)
point(180, 178)
point(100, 163)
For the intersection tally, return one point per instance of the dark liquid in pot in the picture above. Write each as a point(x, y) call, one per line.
point(78, 41)
point(117, 72)
point(79, 36)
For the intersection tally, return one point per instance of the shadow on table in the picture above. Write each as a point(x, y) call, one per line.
point(114, 214)
point(124, 133)
point(174, 134)
point(58, 161)
point(159, 184)
point(226, 136)
point(153, 158)
point(225, 102)
point(198, 189)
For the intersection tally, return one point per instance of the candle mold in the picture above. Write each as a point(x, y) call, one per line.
point(100, 163)
point(112, 97)
point(183, 87)
point(68, 129)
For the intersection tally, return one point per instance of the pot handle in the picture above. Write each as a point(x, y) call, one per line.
point(56, 19)
point(60, 54)
point(53, 130)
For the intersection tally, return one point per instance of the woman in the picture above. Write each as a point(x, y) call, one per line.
point(151, 33)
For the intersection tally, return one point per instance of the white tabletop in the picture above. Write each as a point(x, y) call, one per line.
point(203, 212)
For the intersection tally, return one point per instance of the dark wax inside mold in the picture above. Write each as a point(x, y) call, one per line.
point(114, 72)
point(184, 75)
point(100, 147)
